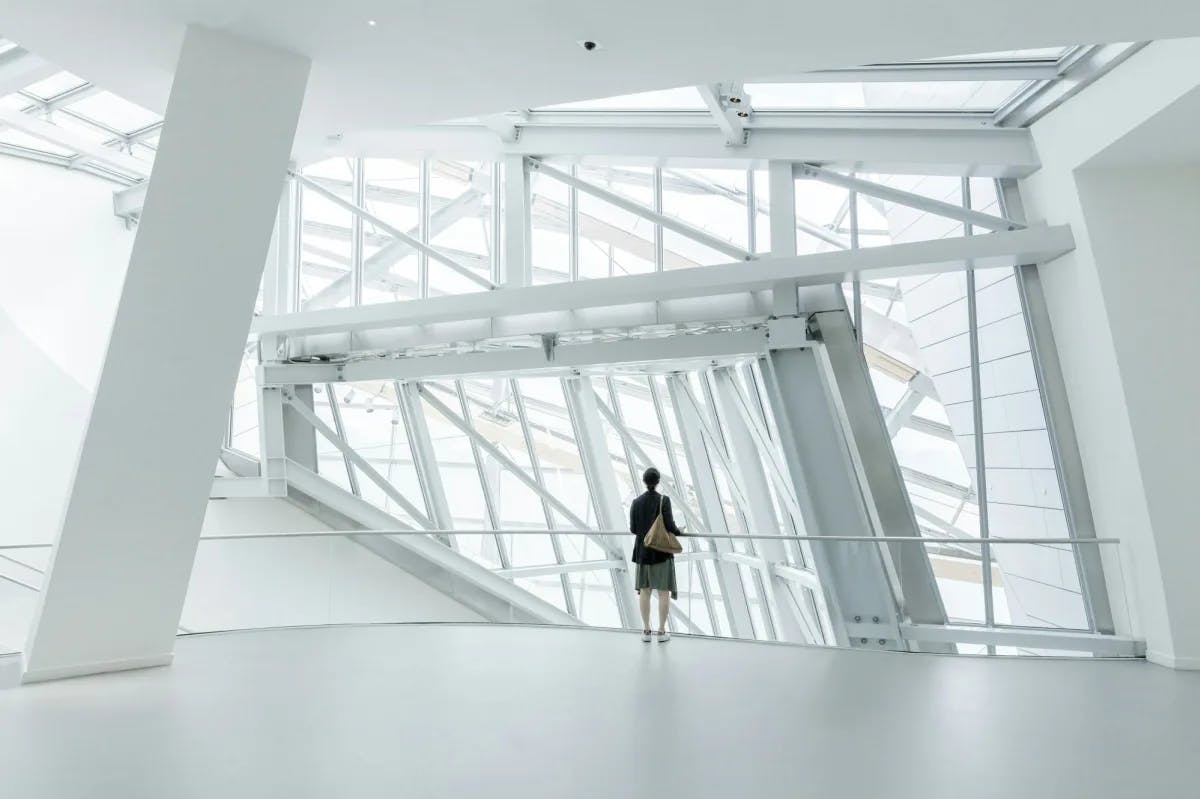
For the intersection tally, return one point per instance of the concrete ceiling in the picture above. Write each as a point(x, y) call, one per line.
point(431, 60)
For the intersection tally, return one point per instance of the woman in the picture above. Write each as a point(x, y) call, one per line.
point(656, 570)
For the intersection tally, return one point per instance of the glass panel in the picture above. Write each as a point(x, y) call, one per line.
point(613, 241)
point(110, 110)
point(393, 191)
point(460, 223)
point(883, 96)
point(325, 238)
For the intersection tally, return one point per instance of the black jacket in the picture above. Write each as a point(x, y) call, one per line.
point(642, 513)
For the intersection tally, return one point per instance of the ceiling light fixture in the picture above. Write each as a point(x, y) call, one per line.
point(743, 114)
point(372, 23)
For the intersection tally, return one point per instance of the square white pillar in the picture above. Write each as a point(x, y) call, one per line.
point(120, 570)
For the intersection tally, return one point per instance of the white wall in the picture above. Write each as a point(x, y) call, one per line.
point(279, 582)
point(62, 260)
point(1122, 307)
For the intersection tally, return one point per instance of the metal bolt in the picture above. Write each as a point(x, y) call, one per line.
point(875, 619)
point(857, 619)
point(882, 641)
point(862, 640)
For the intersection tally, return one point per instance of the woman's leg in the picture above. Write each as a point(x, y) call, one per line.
point(644, 603)
point(664, 607)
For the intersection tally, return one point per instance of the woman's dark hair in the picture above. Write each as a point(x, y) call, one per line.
point(651, 477)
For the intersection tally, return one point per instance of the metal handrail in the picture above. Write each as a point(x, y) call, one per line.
point(732, 537)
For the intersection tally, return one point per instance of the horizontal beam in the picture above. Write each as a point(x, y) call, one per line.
point(1099, 645)
point(564, 357)
point(881, 143)
point(749, 306)
point(1008, 248)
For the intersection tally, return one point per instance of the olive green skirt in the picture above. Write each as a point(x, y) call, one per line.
point(658, 576)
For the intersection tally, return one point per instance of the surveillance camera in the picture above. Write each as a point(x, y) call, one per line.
point(589, 46)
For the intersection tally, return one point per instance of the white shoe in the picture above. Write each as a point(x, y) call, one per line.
point(663, 637)
point(646, 636)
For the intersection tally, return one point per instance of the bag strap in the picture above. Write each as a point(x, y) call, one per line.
point(661, 499)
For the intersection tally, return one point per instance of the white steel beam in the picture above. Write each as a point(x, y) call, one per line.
point(918, 201)
point(517, 262)
point(68, 139)
point(1008, 248)
point(120, 571)
point(726, 118)
point(888, 144)
point(700, 347)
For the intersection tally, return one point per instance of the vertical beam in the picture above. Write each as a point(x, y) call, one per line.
point(408, 395)
point(358, 190)
point(782, 193)
point(1060, 425)
point(272, 446)
point(760, 510)
point(423, 236)
point(985, 550)
point(890, 511)
point(819, 465)
point(704, 485)
point(120, 570)
point(602, 484)
point(516, 267)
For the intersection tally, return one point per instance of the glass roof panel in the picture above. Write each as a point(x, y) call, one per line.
point(107, 108)
point(55, 85)
point(1048, 53)
point(891, 96)
point(685, 98)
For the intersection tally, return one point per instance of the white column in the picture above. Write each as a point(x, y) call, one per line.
point(516, 267)
point(120, 570)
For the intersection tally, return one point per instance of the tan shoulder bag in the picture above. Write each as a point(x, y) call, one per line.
point(659, 537)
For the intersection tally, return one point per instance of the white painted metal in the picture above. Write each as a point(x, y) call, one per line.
point(517, 263)
point(891, 144)
point(1006, 248)
point(63, 137)
point(892, 194)
point(120, 570)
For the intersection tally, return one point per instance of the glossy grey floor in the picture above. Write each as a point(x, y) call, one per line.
point(493, 711)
